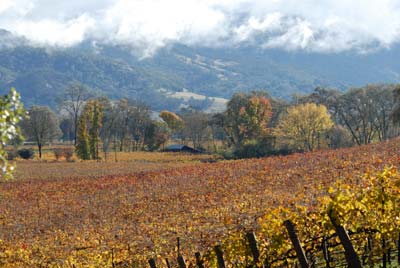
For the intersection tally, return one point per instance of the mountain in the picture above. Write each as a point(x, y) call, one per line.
point(179, 74)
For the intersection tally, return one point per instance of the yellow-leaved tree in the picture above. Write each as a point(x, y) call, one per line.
point(174, 122)
point(88, 134)
point(304, 126)
point(11, 112)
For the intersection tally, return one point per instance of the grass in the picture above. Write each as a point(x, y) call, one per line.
point(127, 163)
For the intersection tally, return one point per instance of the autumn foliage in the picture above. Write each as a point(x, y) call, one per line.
point(113, 221)
point(246, 118)
point(305, 125)
point(11, 112)
point(173, 121)
point(88, 134)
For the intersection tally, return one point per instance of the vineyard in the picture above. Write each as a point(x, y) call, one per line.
point(127, 163)
point(120, 220)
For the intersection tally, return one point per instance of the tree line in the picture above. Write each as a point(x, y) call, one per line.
point(325, 118)
point(253, 124)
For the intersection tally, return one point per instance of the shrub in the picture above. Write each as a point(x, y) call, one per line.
point(26, 153)
point(58, 153)
point(11, 155)
point(67, 153)
point(261, 147)
point(249, 150)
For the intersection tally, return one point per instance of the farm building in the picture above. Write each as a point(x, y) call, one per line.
point(181, 148)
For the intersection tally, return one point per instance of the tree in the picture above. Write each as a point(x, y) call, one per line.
point(41, 126)
point(304, 125)
point(381, 97)
point(95, 112)
point(339, 137)
point(123, 121)
point(279, 107)
point(11, 112)
point(67, 128)
point(217, 129)
point(82, 147)
point(109, 124)
point(133, 119)
point(157, 134)
point(140, 121)
point(90, 124)
point(395, 114)
point(195, 127)
point(72, 101)
point(246, 118)
point(366, 112)
point(174, 122)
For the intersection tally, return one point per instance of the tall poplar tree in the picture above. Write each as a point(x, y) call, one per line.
point(95, 112)
point(82, 139)
point(88, 136)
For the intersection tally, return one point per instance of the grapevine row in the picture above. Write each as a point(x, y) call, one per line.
point(349, 229)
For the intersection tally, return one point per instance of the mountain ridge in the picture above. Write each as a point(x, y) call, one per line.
point(41, 74)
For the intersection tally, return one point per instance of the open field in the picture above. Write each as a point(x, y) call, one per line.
point(65, 220)
point(128, 163)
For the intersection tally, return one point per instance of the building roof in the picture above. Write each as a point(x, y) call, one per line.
point(181, 147)
point(176, 147)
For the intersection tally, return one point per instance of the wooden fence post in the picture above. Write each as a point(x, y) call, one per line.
point(220, 256)
point(181, 261)
point(152, 263)
point(325, 251)
point(167, 262)
point(398, 250)
point(199, 262)
point(301, 256)
point(364, 255)
point(251, 238)
point(384, 256)
point(351, 255)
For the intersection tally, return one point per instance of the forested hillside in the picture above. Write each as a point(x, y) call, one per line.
point(40, 74)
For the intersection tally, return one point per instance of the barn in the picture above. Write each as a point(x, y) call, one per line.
point(181, 148)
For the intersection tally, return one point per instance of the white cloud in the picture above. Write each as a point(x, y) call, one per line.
point(55, 33)
point(147, 25)
point(153, 24)
point(4, 5)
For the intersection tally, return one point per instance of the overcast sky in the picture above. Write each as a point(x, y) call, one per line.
point(147, 25)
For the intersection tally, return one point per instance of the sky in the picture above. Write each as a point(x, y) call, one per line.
point(148, 25)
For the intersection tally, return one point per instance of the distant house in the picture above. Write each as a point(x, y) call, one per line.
point(181, 148)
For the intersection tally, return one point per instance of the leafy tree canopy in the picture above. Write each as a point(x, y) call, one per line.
point(11, 112)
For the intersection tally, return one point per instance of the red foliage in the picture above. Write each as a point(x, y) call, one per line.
point(145, 212)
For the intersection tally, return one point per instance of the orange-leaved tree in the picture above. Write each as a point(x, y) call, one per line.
point(246, 118)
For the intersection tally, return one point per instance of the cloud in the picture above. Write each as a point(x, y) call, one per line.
point(146, 26)
point(55, 33)
point(150, 25)
point(4, 5)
